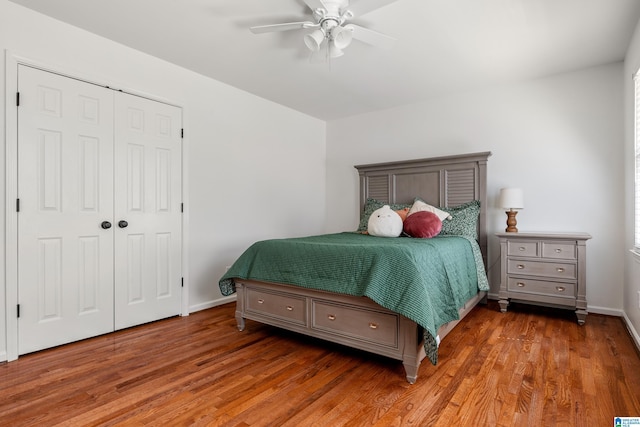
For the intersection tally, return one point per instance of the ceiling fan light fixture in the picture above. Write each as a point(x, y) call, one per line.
point(342, 36)
point(314, 39)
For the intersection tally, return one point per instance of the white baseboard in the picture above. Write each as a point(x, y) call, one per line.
point(632, 330)
point(3, 356)
point(211, 304)
point(604, 310)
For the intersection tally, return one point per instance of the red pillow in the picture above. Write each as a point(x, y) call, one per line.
point(423, 224)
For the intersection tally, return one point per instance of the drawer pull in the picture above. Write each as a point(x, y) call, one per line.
point(260, 301)
point(331, 317)
point(558, 250)
point(560, 270)
point(520, 267)
point(522, 249)
point(520, 284)
point(289, 308)
point(560, 288)
point(373, 325)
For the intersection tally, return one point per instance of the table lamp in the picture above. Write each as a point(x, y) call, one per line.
point(511, 199)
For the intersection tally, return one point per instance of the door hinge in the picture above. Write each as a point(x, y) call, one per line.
point(18, 310)
point(182, 133)
point(17, 99)
point(17, 205)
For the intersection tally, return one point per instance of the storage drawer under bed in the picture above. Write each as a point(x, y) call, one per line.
point(282, 306)
point(372, 326)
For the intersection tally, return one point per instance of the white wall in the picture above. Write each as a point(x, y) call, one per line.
point(560, 139)
point(255, 169)
point(632, 262)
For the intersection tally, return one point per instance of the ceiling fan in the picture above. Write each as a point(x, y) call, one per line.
point(330, 29)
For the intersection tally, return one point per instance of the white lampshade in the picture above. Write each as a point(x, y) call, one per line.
point(511, 198)
point(342, 36)
point(314, 39)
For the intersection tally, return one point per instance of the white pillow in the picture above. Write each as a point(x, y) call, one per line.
point(385, 222)
point(419, 206)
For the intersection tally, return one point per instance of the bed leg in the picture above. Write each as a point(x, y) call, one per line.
point(411, 364)
point(411, 369)
point(240, 321)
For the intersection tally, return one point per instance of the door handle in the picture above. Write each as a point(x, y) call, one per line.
point(106, 225)
point(122, 223)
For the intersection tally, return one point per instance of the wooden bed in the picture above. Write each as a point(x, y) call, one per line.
point(357, 321)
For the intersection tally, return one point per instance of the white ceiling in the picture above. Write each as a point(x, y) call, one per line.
point(443, 45)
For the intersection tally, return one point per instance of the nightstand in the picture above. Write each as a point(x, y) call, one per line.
point(544, 268)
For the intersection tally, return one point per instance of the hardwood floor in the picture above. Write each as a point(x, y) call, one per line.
point(527, 367)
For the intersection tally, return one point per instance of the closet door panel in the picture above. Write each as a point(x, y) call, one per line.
point(65, 187)
point(148, 264)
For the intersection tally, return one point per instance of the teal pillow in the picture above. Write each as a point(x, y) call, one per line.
point(464, 220)
point(372, 205)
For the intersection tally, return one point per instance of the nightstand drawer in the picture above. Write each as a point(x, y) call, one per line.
point(522, 248)
point(541, 287)
point(559, 250)
point(366, 325)
point(282, 306)
point(540, 268)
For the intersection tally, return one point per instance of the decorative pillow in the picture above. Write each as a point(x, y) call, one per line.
point(403, 213)
point(420, 205)
point(372, 205)
point(384, 222)
point(464, 220)
point(423, 224)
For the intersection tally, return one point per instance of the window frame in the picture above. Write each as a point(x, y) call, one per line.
point(636, 143)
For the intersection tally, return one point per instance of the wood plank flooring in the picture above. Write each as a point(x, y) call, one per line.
point(528, 367)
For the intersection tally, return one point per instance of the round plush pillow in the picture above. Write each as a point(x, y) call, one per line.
point(423, 224)
point(385, 222)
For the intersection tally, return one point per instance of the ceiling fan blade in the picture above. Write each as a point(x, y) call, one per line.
point(315, 4)
point(360, 7)
point(282, 27)
point(371, 37)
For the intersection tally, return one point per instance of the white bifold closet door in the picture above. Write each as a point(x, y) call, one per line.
point(99, 222)
point(148, 198)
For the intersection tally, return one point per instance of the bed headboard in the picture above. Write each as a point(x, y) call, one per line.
point(439, 181)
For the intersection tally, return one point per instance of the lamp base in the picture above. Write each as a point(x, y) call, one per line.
point(511, 222)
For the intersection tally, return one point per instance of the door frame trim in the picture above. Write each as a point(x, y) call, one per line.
point(12, 61)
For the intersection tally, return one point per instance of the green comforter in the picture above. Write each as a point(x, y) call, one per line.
point(426, 280)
